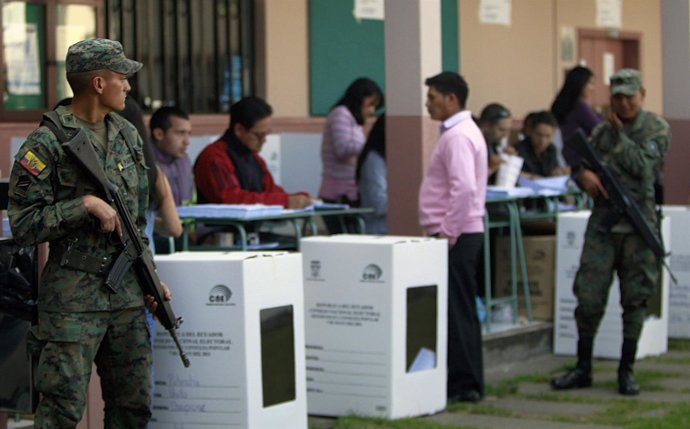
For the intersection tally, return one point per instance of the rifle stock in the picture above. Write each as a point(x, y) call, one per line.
point(618, 195)
point(134, 249)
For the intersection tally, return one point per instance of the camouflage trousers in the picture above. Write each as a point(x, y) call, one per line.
point(66, 345)
point(637, 268)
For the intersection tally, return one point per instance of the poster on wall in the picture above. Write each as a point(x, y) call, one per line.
point(609, 13)
point(495, 12)
point(369, 9)
point(608, 61)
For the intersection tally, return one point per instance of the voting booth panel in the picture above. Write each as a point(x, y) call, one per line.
point(243, 331)
point(679, 292)
point(607, 344)
point(376, 325)
point(540, 260)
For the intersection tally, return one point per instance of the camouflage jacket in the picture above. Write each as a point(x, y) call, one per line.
point(635, 154)
point(45, 204)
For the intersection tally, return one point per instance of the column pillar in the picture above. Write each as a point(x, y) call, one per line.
point(413, 53)
point(675, 42)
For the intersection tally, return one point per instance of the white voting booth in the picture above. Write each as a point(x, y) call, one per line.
point(607, 343)
point(679, 293)
point(243, 331)
point(376, 325)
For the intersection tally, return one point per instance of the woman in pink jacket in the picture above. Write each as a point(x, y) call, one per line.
point(343, 140)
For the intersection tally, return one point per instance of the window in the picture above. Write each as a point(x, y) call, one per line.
point(74, 23)
point(196, 53)
point(35, 38)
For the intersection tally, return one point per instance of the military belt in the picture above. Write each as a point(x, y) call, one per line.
point(72, 258)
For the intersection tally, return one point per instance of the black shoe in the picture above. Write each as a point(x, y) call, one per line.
point(626, 384)
point(470, 395)
point(575, 378)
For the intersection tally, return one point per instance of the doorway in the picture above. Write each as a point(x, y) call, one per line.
point(604, 52)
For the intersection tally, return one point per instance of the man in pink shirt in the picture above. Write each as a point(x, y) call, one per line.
point(451, 206)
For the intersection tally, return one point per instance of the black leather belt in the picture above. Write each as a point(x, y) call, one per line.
point(70, 257)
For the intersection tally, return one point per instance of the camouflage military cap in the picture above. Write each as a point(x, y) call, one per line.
point(626, 82)
point(98, 54)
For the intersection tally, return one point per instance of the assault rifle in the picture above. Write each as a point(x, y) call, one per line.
point(134, 251)
point(619, 199)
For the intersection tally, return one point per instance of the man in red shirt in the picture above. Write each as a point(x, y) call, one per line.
point(231, 171)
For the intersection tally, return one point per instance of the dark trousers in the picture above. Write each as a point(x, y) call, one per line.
point(465, 366)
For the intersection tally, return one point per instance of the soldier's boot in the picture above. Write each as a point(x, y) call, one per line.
point(626, 379)
point(581, 375)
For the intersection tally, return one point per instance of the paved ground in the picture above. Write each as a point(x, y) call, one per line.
point(519, 397)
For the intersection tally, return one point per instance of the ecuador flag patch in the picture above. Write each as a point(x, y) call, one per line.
point(32, 163)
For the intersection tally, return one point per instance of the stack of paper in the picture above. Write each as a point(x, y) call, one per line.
point(319, 206)
point(546, 185)
point(493, 192)
point(241, 211)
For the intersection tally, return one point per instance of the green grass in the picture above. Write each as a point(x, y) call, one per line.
point(677, 417)
point(627, 413)
point(369, 423)
point(480, 408)
point(509, 387)
point(679, 345)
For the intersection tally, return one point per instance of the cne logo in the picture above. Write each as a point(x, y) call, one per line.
point(570, 238)
point(372, 273)
point(315, 269)
point(219, 295)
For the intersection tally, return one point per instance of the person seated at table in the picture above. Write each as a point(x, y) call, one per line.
point(231, 171)
point(494, 122)
point(171, 130)
point(537, 149)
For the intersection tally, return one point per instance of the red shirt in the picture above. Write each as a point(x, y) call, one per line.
point(217, 182)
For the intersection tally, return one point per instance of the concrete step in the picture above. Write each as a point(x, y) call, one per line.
point(508, 344)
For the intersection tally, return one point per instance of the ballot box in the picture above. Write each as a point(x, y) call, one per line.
point(679, 261)
point(243, 332)
point(376, 325)
point(607, 344)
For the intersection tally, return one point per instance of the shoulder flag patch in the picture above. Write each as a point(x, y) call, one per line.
point(32, 163)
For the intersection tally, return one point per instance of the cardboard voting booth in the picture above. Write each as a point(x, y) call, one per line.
point(376, 325)
point(679, 261)
point(607, 344)
point(540, 259)
point(243, 331)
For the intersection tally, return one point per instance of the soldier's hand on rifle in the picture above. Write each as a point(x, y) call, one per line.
point(151, 303)
point(106, 215)
point(590, 182)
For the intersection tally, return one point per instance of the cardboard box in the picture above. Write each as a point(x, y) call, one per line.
point(607, 344)
point(243, 331)
point(679, 261)
point(376, 325)
point(540, 258)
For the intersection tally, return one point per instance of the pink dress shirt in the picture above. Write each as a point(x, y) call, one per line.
point(453, 192)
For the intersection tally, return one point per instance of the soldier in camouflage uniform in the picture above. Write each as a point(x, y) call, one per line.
point(633, 143)
point(80, 320)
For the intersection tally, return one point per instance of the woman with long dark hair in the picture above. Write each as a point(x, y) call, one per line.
point(371, 179)
point(343, 140)
point(572, 109)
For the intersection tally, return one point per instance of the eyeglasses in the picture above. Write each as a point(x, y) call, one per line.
point(500, 114)
point(494, 113)
point(259, 136)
